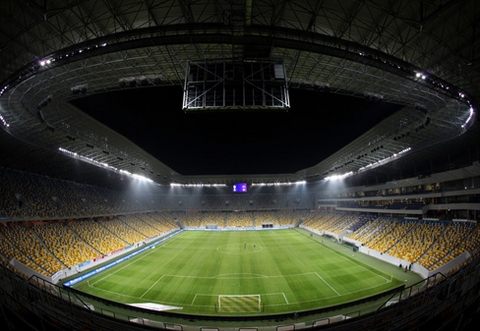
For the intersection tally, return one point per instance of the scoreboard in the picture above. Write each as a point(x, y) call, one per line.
point(240, 187)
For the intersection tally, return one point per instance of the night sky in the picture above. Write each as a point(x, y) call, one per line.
point(227, 143)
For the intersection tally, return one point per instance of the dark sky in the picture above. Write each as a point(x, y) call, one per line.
point(317, 125)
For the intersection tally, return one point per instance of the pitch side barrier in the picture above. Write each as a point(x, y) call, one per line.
point(89, 274)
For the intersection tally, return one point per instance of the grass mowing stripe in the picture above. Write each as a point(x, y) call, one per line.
point(352, 260)
point(153, 285)
point(198, 266)
point(120, 268)
point(323, 280)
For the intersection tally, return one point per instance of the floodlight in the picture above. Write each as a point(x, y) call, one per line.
point(340, 176)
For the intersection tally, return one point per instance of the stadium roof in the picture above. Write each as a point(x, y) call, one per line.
point(417, 54)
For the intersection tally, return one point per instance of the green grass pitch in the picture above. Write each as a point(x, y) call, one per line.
point(240, 272)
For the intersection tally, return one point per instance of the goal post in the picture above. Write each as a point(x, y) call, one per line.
point(244, 303)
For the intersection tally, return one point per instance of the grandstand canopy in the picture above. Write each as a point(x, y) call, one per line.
point(419, 56)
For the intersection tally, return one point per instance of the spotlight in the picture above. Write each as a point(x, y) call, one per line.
point(420, 75)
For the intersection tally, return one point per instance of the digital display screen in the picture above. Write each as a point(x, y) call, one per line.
point(240, 187)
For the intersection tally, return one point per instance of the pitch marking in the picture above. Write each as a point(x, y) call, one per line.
point(151, 286)
point(323, 280)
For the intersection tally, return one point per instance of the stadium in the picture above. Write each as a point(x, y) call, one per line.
point(239, 164)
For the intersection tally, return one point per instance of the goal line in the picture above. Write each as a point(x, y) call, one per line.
point(246, 303)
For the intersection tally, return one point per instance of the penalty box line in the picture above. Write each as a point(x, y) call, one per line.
point(214, 277)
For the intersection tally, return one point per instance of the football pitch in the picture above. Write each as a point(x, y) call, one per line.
point(240, 273)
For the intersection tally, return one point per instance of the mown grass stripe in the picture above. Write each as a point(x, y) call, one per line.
point(192, 270)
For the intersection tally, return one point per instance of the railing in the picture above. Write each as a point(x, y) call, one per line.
point(417, 303)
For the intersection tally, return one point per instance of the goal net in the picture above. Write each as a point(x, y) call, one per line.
point(249, 303)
